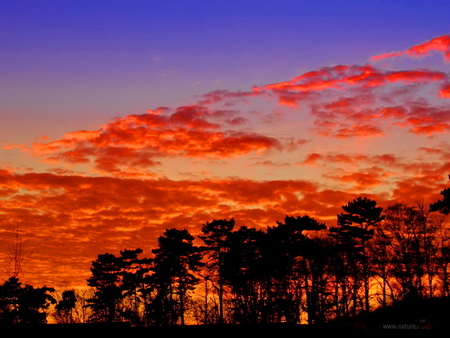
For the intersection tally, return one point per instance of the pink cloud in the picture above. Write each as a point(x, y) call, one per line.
point(440, 44)
point(142, 140)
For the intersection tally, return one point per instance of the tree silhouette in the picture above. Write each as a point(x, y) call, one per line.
point(108, 294)
point(216, 236)
point(355, 228)
point(314, 258)
point(24, 304)
point(442, 205)
point(415, 249)
point(16, 255)
point(133, 271)
point(293, 256)
point(442, 258)
point(281, 250)
point(381, 259)
point(175, 263)
point(64, 308)
point(243, 270)
point(407, 268)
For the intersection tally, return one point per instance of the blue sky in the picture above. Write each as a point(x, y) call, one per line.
point(109, 58)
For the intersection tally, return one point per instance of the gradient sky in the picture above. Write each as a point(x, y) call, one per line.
point(120, 119)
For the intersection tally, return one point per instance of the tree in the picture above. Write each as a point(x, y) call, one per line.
point(355, 228)
point(442, 258)
point(73, 306)
point(415, 249)
point(442, 205)
point(16, 256)
point(403, 224)
point(175, 263)
point(24, 304)
point(133, 271)
point(381, 259)
point(216, 234)
point(108, 294)
point(244, 271)
point(65, 307)
point(119, 283)
point(294, 256)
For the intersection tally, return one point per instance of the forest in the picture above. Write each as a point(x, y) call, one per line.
point(298, 271)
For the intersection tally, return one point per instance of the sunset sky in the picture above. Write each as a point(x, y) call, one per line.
point(120, 119)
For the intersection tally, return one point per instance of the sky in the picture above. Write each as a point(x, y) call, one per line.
point(120, 119)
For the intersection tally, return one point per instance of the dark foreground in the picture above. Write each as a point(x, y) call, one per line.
point(359, 330)
point(418, 318)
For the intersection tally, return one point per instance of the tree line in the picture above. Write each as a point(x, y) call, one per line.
point(296, 271)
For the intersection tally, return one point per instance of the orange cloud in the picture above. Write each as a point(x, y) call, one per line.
point(440, 44)
point(427, 120)
point(358, 113)
point(445, 91)
point(8, 146)
point(388, 160)
point(362, 180)
point(358, 131)
point(339, 119)
point(312, 159)
point(138, 141)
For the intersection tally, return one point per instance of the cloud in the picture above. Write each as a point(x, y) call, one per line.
point(8, 146)
point(343, 77)
point(428, 120)
point(312, 159)
point(141, 141)
point(358, 131)
point(445, 91)
point(340, 119)
point(366, 180)
point(349, 101)
point(440, 44)
point(273, 164)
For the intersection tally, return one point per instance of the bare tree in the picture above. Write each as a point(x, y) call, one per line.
point(16, 257)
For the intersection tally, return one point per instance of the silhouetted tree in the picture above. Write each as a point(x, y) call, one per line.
point(16, 255)
point(405, 224)
point(243, 271)
point(293, 257)
point(428, 227)
point(24, 304)
point(381, 258)
point(175, 263)
point(442, 258)
point(355, 228)
point(216, 235)
point(133, 271)
point(442, 205)
point(65, 307)
point(120, 284)
point(108, 293)
point(281, 249)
